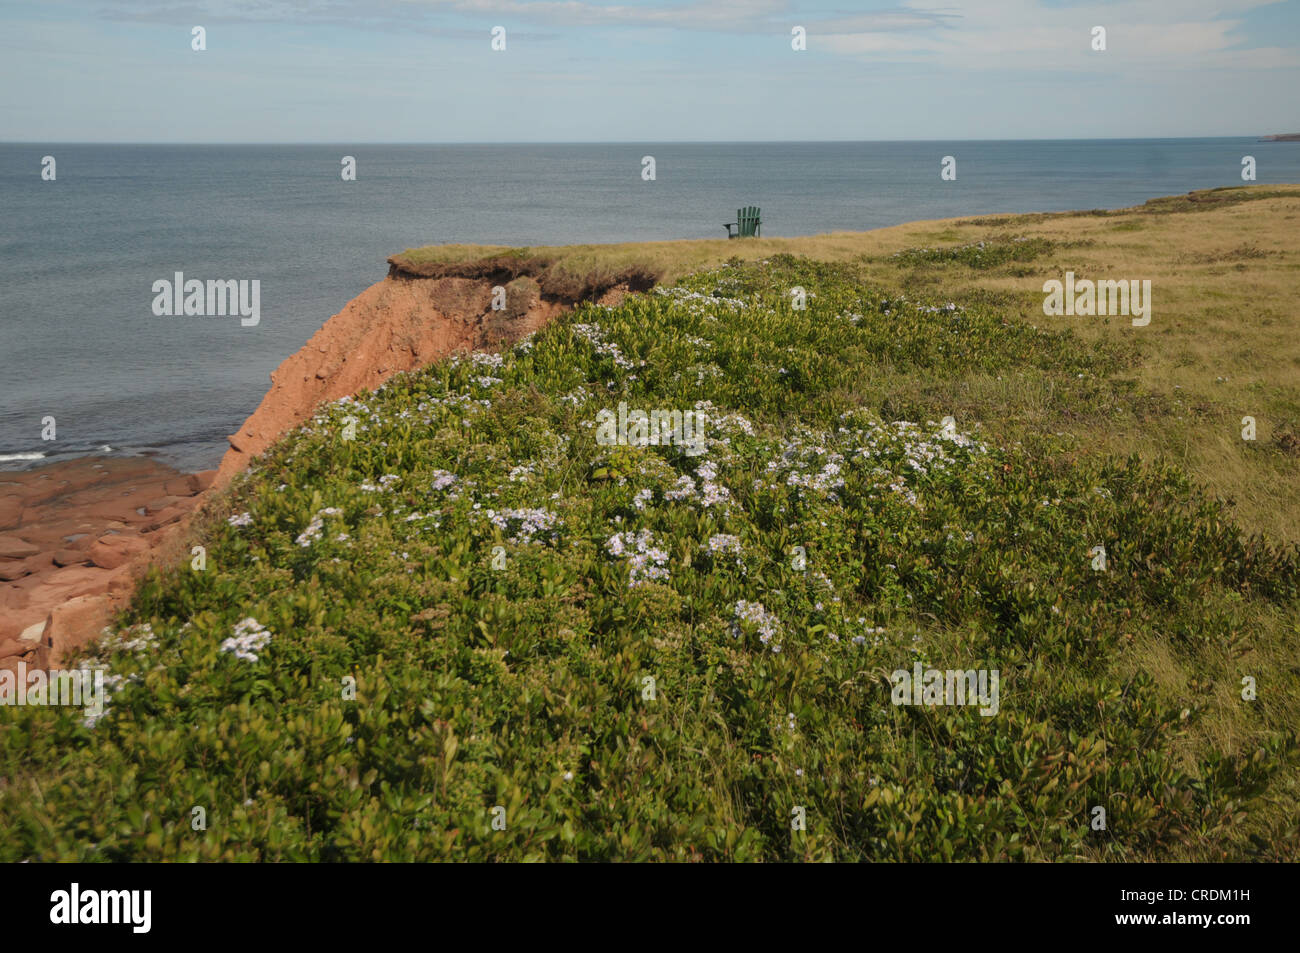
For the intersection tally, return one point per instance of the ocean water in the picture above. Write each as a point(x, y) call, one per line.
point(79, 255)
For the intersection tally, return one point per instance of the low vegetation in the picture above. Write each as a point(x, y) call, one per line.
point(981, 255)
point(472, 631)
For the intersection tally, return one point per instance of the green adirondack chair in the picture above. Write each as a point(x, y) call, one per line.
point(747, 223)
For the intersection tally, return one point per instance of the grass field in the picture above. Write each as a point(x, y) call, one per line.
point(477, 631)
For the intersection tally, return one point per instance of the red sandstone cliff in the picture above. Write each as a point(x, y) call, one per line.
point(399, 324)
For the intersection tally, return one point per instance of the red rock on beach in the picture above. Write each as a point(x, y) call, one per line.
point(11, 510)
point(71, 626)
point(116, 549)
point(14, 547)
point(85, 530)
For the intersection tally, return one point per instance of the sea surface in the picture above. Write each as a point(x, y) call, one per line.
point(79, 341)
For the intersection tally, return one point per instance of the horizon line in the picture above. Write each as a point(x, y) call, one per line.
point(602, 142)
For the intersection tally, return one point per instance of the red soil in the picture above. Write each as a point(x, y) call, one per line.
point(396, 325)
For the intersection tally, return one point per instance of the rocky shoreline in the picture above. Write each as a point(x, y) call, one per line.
point(74, 537)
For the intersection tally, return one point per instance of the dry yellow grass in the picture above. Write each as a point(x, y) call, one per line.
point(1223, 342)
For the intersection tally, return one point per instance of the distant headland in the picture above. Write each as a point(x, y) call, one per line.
point(1285, 137)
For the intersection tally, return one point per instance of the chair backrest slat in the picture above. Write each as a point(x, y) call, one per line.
point(747, 222)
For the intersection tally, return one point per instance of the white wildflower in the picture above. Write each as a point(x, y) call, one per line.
point(250, 638)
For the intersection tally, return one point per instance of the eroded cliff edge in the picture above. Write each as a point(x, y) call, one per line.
point(416, 315)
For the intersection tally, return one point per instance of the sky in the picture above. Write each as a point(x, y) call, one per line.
point(351, 71)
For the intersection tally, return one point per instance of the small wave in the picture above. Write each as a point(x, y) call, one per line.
point(10, 457)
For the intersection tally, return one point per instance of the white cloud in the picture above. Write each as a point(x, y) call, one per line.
point(1026, 34)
